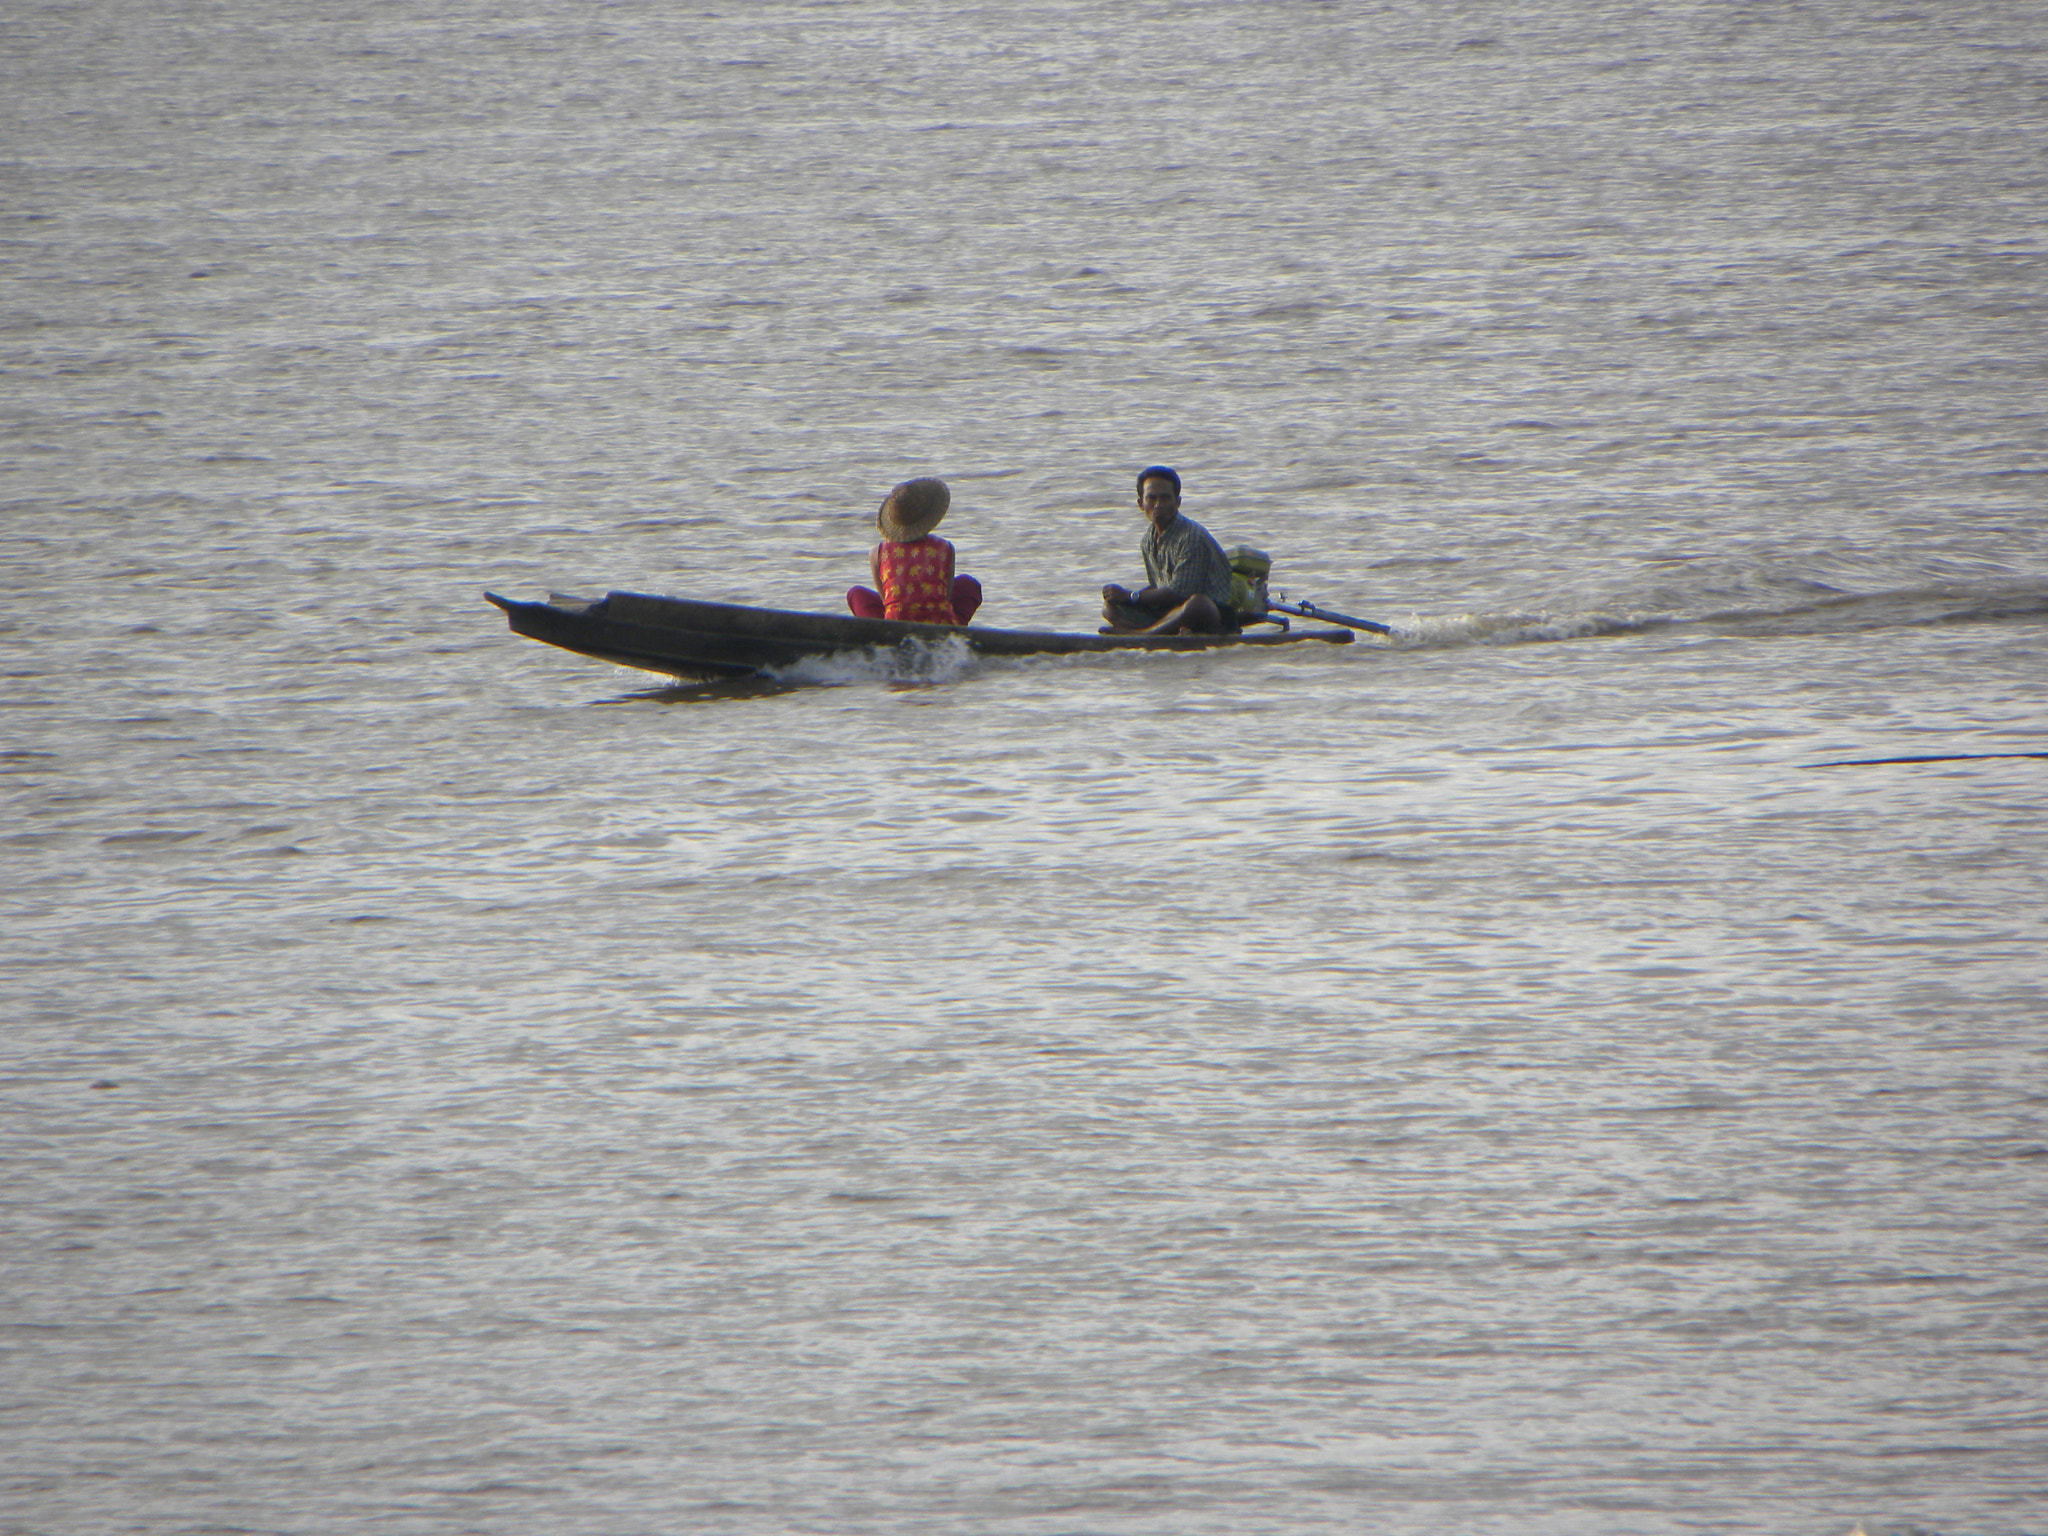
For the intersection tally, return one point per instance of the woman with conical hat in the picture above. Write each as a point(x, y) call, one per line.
point(913, 569)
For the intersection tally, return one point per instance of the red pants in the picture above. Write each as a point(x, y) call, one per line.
point(866, 602)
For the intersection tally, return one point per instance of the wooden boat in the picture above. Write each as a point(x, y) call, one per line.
point(703, 642)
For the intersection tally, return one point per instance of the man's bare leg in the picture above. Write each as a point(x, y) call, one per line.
point(1197, 616)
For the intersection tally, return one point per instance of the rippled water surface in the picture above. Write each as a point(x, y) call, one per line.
point(1574, 1067)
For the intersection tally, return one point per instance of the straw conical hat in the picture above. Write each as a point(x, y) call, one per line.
point(913, 510)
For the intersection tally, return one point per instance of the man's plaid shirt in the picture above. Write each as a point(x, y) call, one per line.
point(1186, 560)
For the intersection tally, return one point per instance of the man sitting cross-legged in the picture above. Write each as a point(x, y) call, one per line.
point(1187, 575)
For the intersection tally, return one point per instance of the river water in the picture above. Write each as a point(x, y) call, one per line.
point(1502, 1079)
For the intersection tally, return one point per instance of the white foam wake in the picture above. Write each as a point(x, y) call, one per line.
point(909, 661)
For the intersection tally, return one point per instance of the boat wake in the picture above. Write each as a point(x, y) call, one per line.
point(909, 661)
point(911, 664)
point(1817, 610)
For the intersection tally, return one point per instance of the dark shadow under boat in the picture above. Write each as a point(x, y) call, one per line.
point(704, 642)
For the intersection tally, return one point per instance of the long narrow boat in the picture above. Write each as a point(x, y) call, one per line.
point(707, 641)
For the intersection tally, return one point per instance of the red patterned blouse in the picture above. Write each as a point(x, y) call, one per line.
point(916, 580)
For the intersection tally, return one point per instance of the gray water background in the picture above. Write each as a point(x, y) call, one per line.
point(1494, 1081)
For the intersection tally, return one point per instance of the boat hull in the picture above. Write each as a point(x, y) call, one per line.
point(703, 642)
